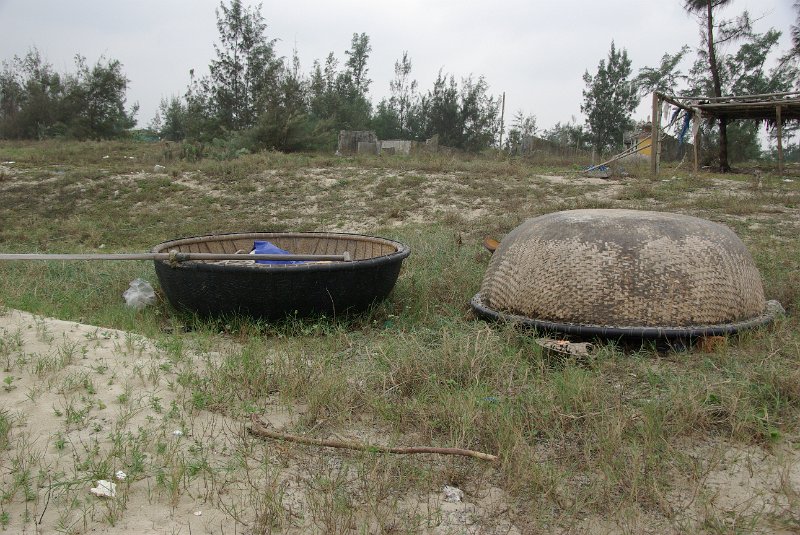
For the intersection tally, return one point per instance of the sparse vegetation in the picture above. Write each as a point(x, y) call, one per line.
point(651, 435)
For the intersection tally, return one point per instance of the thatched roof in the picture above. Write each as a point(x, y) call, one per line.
point(757, 107)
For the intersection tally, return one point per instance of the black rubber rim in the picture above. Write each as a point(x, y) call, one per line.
point(772, 309)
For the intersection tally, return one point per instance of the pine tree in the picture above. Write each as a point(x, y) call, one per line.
point(339, 98)
point(439, 109)
point(523, 126)
point(478, 115)
point(356, 63)
point(465, 118)
point(665, 78)
point(97, 97)
point(609, 99)
point(403, 91)
point(244, 76)
point(704, 9)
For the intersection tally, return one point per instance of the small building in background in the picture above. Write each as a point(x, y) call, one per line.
point(397, 146)
point(355, 141)
point(638, 140)
point(367, 142)
point(671, 147)
point(643, 141)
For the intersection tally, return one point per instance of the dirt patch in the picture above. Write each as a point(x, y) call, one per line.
point(86, 403)
point(576, 181)
point(744, 482)
point(6, 172)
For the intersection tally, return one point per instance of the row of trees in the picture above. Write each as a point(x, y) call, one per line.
point(266, 101)
point(256, 99)
point(37, 102)
point(269, 102)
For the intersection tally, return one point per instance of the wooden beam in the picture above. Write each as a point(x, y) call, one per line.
point(780, 138)
point(762, 95)
point(696, 143)
point(746, 105)
point(674, 102)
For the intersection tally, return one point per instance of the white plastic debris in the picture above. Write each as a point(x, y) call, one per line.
point(198, 513)
point(139, 294)
point(177, 433)
point(104, 489)
point(120, 475)
point(453, 494)
point(105, 157)
point(159, 168)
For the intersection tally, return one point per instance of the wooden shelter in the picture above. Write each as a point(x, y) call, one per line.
point(775, 107)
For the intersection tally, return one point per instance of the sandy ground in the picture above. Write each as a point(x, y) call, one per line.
point(87, 402)
point(77, 392)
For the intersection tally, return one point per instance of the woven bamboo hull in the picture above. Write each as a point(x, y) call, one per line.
point(624, 273)
point(276, 291)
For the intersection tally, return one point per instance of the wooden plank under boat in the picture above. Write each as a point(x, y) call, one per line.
point(273, 291)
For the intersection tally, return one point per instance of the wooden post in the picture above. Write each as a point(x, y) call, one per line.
point(655, 133)
point(780, 138)
point(696, 142)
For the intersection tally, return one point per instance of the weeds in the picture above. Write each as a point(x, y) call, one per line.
point(6, 423)
point(618, 431)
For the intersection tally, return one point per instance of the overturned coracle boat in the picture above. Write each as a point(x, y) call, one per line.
point(628, 273)
point(365, 274)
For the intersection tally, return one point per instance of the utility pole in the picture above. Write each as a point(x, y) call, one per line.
point(502, 115)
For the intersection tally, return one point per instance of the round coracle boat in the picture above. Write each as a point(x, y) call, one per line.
point(624, 273)
point(366, 274)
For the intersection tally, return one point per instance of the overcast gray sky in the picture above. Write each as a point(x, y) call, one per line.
point(534, 50)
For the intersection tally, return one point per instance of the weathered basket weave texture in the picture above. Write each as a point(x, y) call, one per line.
point(624, 268)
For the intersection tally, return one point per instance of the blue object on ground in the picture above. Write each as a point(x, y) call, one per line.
point(597, 168)
point(265, 247)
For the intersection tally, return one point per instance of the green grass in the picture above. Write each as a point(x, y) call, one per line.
point(575, 437)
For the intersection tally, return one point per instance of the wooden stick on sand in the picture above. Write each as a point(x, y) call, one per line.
point(259, 428)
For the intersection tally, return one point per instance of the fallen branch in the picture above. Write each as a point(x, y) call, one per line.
point(259, 428)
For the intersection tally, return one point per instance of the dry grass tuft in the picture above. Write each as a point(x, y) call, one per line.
point(632, 439)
